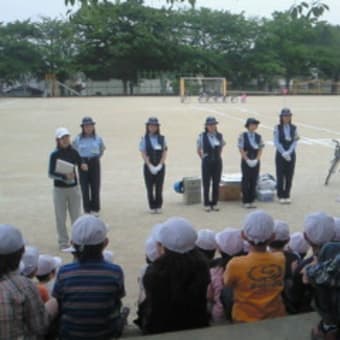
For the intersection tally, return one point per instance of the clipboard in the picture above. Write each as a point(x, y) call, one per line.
point(64, 167)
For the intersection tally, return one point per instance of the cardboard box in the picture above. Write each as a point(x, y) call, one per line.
point(230, 192)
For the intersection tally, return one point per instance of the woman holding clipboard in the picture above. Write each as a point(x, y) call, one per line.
point(66, 193)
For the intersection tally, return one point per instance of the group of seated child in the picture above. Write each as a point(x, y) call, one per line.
point(191, 279)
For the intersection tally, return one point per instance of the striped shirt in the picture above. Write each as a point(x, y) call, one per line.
point(22, 312)
point(90, 296)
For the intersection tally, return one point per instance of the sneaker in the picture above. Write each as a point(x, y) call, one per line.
point(95, 213)
point(288, 201)
point(282, 201)
point(215, 208)
point(207, 209)
point(158, 211)
point(153, 211)
point(247, 205)
point(252, 206)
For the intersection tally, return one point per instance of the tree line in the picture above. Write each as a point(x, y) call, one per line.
point(126, 40)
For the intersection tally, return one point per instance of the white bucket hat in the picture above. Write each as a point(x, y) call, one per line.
point(281, 231)
point(29, 260)
point(298, 243)
point(61, 132)
point(48, 263)
point(10, 239)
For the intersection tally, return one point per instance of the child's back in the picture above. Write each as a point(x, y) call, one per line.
point(257, 281)
point(90, 295)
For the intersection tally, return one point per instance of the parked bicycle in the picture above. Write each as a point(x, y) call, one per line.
point(334, 162)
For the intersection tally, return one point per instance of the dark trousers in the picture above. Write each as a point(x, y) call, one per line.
point(154, 187)
point(249, 181)
point(211, 173)
point(90, 186)
point(284, 174)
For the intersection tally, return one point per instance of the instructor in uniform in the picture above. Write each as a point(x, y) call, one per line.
point(153, 148)
point(250, 145)
point(210, 144)
point(91, 148)
point(285, 141)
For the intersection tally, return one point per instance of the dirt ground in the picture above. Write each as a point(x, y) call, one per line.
point(27, 138)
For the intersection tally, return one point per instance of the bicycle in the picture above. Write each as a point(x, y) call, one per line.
point(335, 160)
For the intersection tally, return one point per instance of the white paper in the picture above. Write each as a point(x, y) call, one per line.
point(63, 167)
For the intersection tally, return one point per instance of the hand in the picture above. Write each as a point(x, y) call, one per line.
point(159, 167)
point(152, 169)
point(286, 156)
point(70, 176)
point(84, 167)
point(252, 162)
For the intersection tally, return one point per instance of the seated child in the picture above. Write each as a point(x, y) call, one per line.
point(257, 279)
point(89, 291)
point(281, 231)
point(229, 244)
point(23, 314)
point(206, 243)
point(298, 244)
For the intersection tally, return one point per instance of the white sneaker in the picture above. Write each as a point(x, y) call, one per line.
point(95, 213)
point(288, 201)
point(215, 208)
point(247, 205)
point(207, 209)
point(252, 206)
point(158, 211)
point(282, 201)
point(153, 211)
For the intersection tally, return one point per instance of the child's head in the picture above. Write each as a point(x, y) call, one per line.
point(319, 229)
point(29, 261)
point(47, 267)
point(229, 242)
point(258, 230)
point(281, 232)
point(89, 238)
point(337, 229)
point(11, 249)
point(298, 244)
point(206, 243)
point(177, 235)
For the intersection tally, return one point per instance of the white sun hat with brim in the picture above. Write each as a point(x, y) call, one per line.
point(29, 260)
point(206, 239)
point(281, 231)
point(11, 239)
point(47, 264)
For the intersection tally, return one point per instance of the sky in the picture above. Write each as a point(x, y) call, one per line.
point(11, 10)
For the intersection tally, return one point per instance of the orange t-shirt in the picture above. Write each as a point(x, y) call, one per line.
point(257, 280)
point(43, 292)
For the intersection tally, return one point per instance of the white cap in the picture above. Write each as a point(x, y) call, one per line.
point(230, 241)
point(337, 229)
point(108, 256)
point(258, 227)
point(298, 243)
point(47, 263)
point(281, 231)
point(61, 132)
point(178, 235)
point(10, 239)
point(206, 239)
point(29, 260)
point(151, 249)
point(88, 230)
point(319, 228)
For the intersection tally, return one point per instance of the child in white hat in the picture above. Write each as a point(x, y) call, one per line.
point(92, 286)
point(29, 262)
point(298, 244)
point(282, 237)
point(257, 279)
point(47, 269)
point(229, 244)
point(318, 229)
point(206, 243)
point(22, 312)
point(176, 283)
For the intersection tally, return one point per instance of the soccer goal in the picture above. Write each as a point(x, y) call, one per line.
point(205, 89)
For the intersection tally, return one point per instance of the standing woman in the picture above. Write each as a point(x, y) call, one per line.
point(210, 144)
point(90, 147)
point(250, 145)
point(66, 194)
point(153, 149)
point(285, 140)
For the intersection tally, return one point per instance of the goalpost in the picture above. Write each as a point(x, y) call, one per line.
point(197, 86)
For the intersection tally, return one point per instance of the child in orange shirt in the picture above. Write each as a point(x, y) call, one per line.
point(257, 279)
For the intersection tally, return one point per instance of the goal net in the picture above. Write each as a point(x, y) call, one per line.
point(198, 86)
point(316, 86)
